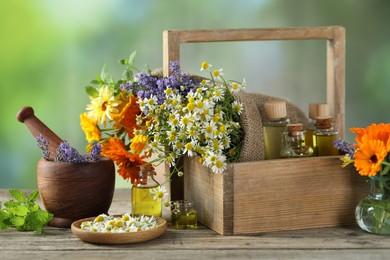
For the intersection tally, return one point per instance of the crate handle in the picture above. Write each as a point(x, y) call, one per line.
point(335, 68)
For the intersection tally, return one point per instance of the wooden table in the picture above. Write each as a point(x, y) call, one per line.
point(202, 243)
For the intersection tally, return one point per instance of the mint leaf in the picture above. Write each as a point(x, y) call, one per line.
point(33, 196)
point(23, 214)
point(21, 211)
point(4, 219)
point(18, 221)
point(18, 195)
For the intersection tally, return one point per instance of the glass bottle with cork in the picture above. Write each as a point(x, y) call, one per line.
point(143, 201)
point(295, 146)
point(274, 127)
point(324, 137)
point(315, 110)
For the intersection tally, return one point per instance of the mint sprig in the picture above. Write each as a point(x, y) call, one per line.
point(23, 212)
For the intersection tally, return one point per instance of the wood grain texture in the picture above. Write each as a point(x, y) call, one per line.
point(274, 195)
point(72, 191)
point(345, 242)
point(27, 116)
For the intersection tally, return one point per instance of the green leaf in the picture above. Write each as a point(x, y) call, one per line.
point(21, 211)
point(4, 219)
point(105, 77)
point(33, 196)
point(18, 221)
point(132, 58)
point(91, 91)
point(18, 195)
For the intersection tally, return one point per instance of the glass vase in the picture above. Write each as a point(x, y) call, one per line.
point(373, 212)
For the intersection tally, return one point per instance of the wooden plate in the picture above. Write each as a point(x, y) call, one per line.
point(118, 238)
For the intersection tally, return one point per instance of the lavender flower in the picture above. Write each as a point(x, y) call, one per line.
point(95, 153)
point(152, 86)
point(43, 144)
point(66, 153)
point(345, 147)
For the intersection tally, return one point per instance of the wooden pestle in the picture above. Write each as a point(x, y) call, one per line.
point(37, 127)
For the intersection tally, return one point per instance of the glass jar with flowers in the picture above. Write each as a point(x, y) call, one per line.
point(145, 113)
point(370, 156)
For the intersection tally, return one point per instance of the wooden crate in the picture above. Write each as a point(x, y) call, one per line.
point(272, 195)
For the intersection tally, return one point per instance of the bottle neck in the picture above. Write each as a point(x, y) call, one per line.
point(146, 178)
point(276, 122)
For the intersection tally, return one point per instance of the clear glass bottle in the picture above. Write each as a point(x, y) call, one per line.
point(183, 215)
point(295, 145)
point(143, 193)
point(274, 127)
point(315, 110)
point(373, 212)
point(324, 136)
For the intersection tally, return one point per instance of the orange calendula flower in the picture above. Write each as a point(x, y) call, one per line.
point(379, 132)
point(90, 128)
point(128, 163)
point(369, 157)
point(138, 143)
point(128, 117)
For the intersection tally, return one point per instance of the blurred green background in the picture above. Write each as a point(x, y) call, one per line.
point(50, 50)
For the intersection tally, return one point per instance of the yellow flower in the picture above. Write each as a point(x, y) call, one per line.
point(104, 106)
point(205, 65)
point(138, 143)
point(90, 128)
point(217, 73)
point(346, 160)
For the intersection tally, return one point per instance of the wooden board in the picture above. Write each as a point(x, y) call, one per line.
point(274, 195)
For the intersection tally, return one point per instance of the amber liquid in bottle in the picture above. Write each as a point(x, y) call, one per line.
point(142, 194)
point(144, 203)
point(183, 216)
point(273, 136)
point(324, 144)
point(274, 127)
point(324, 136)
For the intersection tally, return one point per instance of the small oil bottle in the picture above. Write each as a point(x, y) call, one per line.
point(315, 110)
point(324, 136)
point(295, 145)
point(274, 127)
point(143, 201)
point(183, 215)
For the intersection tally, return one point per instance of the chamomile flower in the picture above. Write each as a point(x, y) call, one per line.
point(205, 66)
point(217, 73)
point(237, 107)
point(219, 164)
point(159, 193)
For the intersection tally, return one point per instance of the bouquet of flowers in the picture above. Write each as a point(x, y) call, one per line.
point(144, 113)
point(370, 154)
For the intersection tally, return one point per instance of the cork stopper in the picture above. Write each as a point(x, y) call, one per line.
point(294, 129)
point(146, 167)
point(318, 110)
point(324, 122)
point(275, 109)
